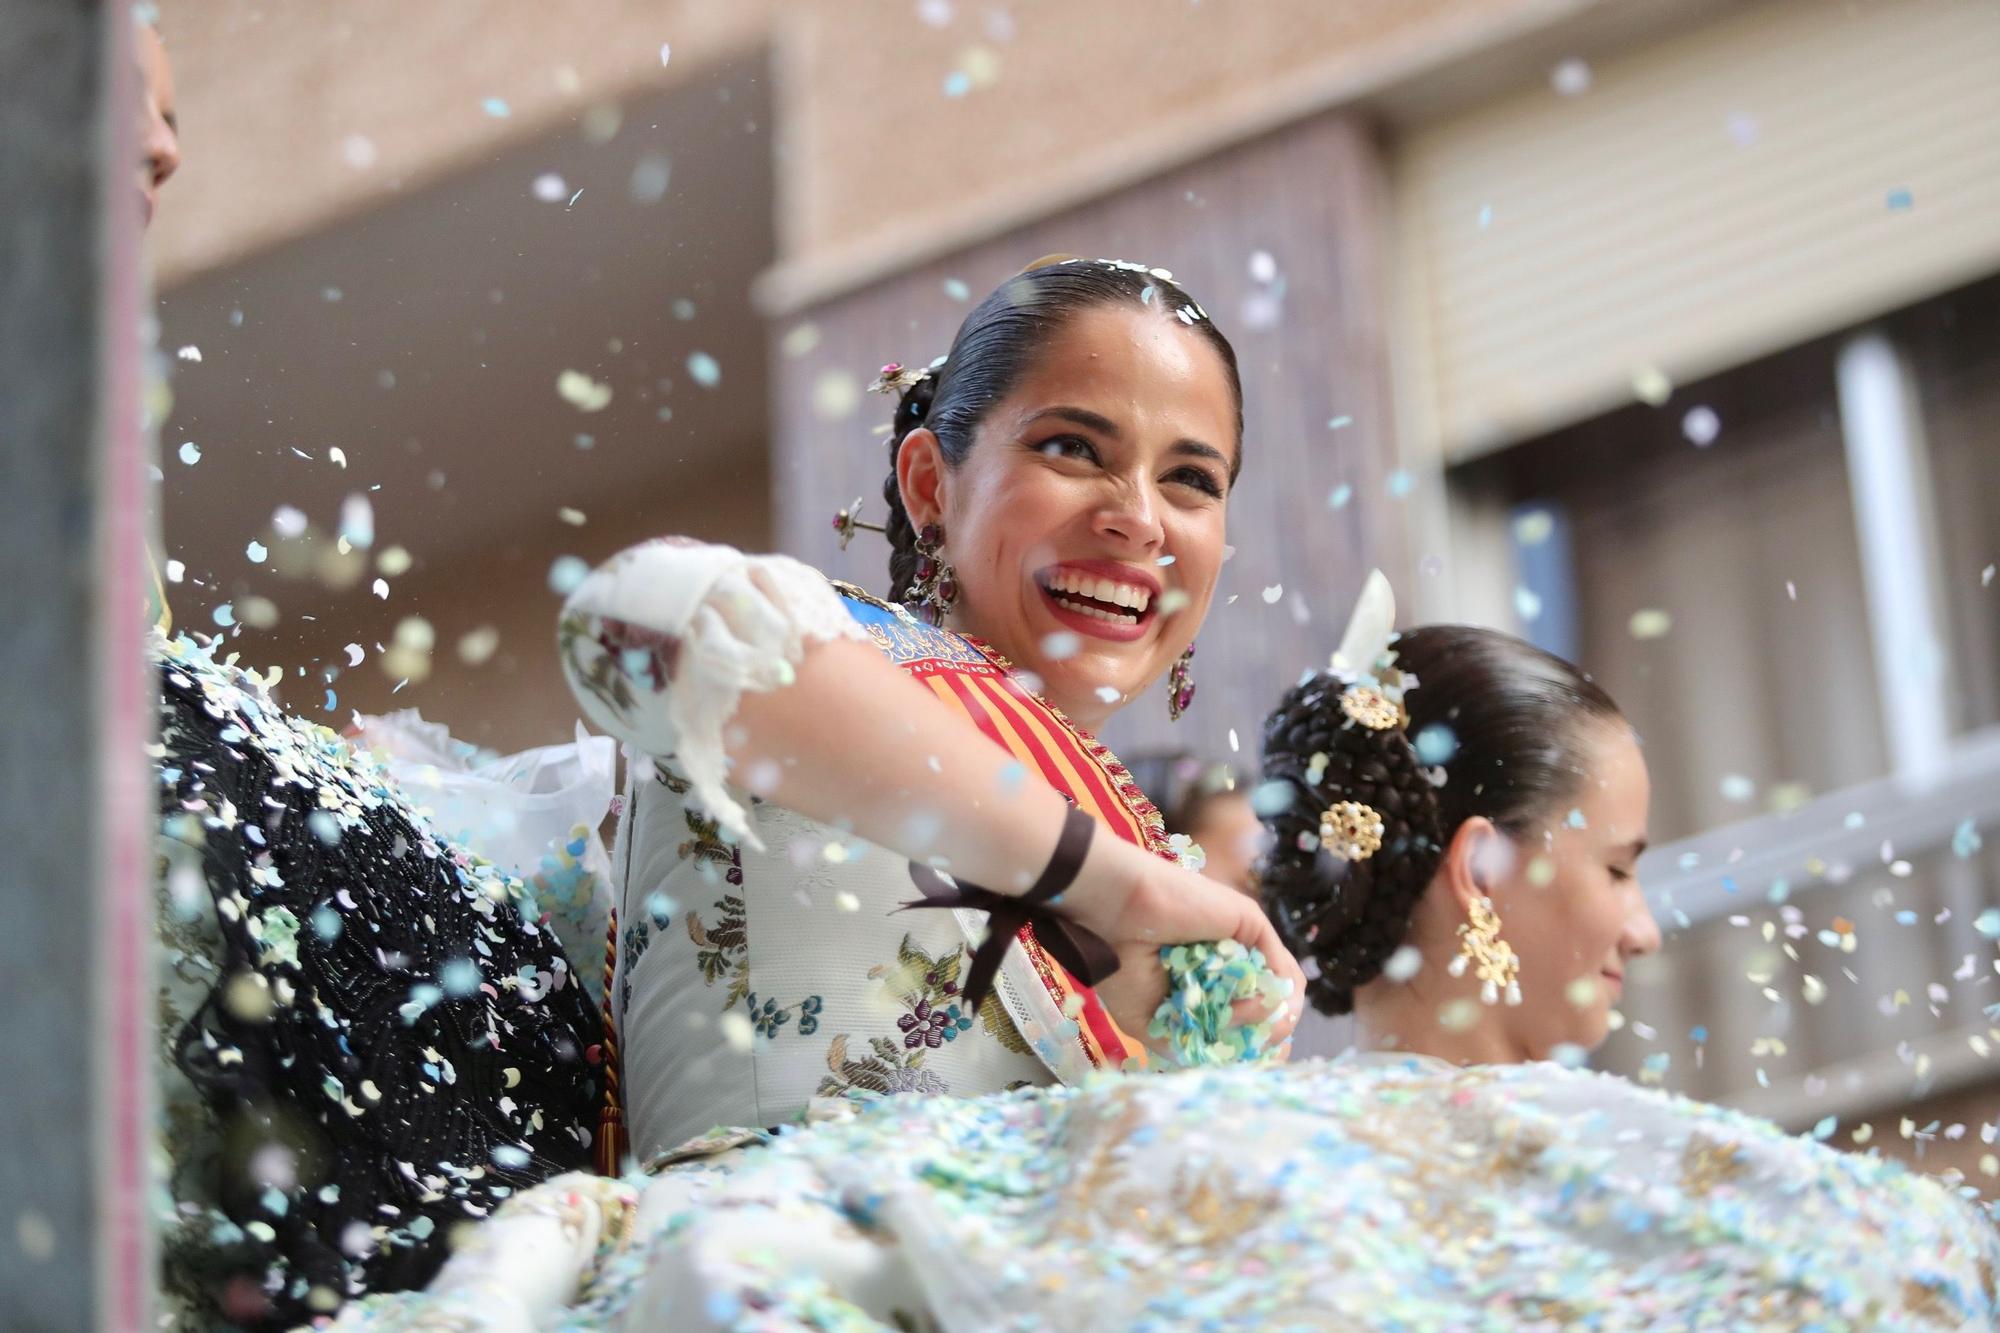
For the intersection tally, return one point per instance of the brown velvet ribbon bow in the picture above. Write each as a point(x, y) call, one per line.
point(1083, 953)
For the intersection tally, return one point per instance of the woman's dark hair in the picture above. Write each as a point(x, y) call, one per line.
point(1500, 727)
point(995, 346)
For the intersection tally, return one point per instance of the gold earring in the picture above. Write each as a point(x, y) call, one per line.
point(1492, 958)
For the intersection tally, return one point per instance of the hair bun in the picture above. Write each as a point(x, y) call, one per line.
point(1347, 915)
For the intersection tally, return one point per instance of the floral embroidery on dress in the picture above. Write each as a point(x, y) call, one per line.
point(890, 1069)
point(605, 675)
point(723, 948)
point(931, 1026)
point(767, 1017)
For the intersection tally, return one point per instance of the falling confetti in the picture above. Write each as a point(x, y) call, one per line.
point(704, 370)
point(650, 178)
point(1534, 527)
point(574, 517)
point(1736, 787)
point(1651, 623)
point(190, 353)
point(566, 573)
point(1403, 964)
point(666, 52)
point(190, 453)
point(1900, 201)
point(1527, 604)
point(394, 562)
point(582, 392)
point(1965, 840)
point(409, 655)
point(799, 340)
point(496, 108)
point(477, 647)
point(1570, 78)
point(1651, 386)
point(1061, 646)
point(1338, 497)
point(835, 396)
point(1399, 484)
point(549, 187)
point(256, 552)
point(1435, 745)
point(1701, 425)
point(357, 521)
point(956, 289)
point(1273, 593)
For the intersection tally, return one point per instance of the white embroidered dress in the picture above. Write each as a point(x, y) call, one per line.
point(760, 960)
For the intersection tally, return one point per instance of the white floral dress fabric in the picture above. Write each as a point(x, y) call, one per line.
point(1378, 1194)
point(760, 961)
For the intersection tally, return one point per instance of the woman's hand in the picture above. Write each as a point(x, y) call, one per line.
point(1141, 904)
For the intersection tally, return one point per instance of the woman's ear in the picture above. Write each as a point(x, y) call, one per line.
point(922, 477)
point(1477, 857)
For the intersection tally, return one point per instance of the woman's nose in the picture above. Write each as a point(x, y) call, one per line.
point(1641, 934)
point(1133, 515)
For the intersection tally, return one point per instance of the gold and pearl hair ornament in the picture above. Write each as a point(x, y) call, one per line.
point(1350, 830)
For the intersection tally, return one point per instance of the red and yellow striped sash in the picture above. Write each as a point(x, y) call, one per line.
point(978, 682)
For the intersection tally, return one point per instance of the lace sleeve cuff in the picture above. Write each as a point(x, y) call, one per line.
point(660, 643)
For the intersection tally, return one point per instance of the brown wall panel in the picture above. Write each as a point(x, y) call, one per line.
point(1312, 197)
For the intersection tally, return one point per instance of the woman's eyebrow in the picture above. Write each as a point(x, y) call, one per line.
point(1197, 449)
point(1081, 416)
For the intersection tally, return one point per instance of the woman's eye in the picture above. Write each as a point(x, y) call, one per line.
point(1620, 874)
point(1198, 478)
point(1067, 446)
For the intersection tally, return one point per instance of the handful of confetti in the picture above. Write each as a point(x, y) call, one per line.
point(1203, 982)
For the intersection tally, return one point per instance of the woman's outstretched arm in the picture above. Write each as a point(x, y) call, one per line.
point(680, 647)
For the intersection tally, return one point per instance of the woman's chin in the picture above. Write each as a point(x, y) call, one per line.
point(1091, 683)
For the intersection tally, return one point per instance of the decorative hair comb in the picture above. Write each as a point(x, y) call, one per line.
point(847, 521)
point(898, 378)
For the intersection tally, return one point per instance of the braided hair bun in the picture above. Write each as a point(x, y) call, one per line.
point(1489, 727)
point(1347, 915)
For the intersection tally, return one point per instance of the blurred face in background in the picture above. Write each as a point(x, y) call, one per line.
point(159, 132)
point(1228, 830)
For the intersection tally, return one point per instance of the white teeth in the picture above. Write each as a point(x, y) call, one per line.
point(1096, 613)
point(1106, 590)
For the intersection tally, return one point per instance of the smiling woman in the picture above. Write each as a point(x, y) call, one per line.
point(1072, 457)
point(1057, 517)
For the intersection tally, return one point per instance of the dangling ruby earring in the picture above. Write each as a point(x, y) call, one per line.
point(1180, 685)
point(936, 586)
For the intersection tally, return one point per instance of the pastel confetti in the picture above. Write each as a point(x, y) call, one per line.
point(582, 392)
point(190, 453)
point(1701, 426)
point(1651, 623)
point(703, 369)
